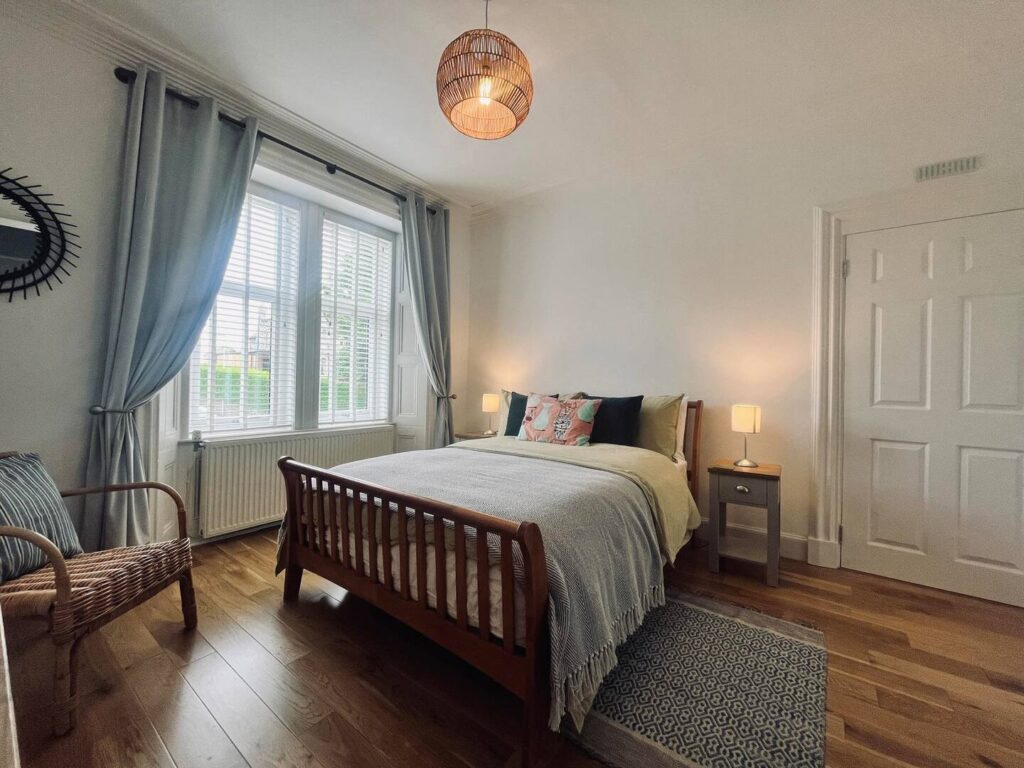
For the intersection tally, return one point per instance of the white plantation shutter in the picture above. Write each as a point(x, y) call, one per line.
point(250, 370)
point(242, 371)
point(355, 321)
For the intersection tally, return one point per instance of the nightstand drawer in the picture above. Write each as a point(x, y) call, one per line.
point(742, 490)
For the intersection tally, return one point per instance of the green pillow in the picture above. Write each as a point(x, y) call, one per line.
point(659, 417)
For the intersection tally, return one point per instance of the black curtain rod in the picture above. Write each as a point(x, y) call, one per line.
point(127, 76)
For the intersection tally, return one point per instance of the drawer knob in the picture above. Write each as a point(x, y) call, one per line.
point(742, 489)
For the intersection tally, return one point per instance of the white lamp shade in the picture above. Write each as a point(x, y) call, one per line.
point(491, 403)
point(746, 419)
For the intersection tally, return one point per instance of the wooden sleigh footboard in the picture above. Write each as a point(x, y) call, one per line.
point(327, 510)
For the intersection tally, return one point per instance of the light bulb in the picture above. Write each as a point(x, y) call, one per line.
point(485, 91)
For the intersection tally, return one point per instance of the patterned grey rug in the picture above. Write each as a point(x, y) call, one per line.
point(709, 685)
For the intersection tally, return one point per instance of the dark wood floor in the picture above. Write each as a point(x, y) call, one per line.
point(916, 676)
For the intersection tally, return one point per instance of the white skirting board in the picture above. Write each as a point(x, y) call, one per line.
point(823, 552)
point(792, 546)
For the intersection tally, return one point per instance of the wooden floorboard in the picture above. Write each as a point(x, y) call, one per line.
point(917, 677)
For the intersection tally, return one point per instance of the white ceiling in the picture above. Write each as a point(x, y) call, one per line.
point(616, 82)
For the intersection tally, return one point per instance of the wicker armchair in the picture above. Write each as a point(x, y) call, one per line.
point(80, 594)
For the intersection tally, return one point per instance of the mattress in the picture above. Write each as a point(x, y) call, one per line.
point(472, 594)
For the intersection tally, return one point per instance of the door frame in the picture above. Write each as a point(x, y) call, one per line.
point(982, 192)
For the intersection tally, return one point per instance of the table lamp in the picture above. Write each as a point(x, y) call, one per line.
point(491, 404)
point(746, 419)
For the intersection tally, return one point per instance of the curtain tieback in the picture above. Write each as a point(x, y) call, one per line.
point(99, 410)
point(450, 397)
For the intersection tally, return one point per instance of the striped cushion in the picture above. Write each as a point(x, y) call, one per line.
point(29, 499)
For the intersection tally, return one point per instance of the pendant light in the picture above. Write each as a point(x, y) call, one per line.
point(484, 86)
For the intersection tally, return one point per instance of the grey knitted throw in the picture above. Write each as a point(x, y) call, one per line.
point(600, 539)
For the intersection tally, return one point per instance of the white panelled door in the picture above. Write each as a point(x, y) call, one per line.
point(933, 463)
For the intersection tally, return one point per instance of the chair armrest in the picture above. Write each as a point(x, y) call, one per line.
point(182, 522)
point(60, 567)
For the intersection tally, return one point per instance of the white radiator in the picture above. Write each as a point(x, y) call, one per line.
point(236, 485)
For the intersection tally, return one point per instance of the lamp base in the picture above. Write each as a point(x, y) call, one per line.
point(745, 462)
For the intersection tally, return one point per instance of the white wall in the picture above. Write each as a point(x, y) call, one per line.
point(62, 124)
point(459, 237)
point(688, 266)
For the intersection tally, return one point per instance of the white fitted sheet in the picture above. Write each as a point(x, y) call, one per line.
point(472, 593)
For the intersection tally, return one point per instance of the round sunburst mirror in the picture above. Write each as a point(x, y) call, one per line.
point(35, 241)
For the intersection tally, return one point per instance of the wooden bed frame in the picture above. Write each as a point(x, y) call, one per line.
point(320, 516)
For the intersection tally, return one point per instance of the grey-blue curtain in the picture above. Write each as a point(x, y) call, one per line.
point(425, 240)
point(183, 187)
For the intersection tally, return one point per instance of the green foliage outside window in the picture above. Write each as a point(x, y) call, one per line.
point(227, 388)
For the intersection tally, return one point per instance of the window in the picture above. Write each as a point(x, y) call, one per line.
point(247, 371)
point(242, 372)
point(355, 323)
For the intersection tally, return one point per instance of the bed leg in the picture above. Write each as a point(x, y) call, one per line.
point(532, 736)
point(540, 743)
point(292, 582)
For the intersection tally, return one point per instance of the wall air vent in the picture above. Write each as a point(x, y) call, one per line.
point(948, 168)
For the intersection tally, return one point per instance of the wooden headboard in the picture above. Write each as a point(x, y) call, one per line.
point(691, 445)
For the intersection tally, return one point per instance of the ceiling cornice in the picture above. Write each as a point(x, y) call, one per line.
point(87, 28)
point(481, 212)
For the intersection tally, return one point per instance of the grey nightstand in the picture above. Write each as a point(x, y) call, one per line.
point(751, 487)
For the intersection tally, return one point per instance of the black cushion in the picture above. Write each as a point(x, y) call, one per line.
point(516, 413)
point(617, 420)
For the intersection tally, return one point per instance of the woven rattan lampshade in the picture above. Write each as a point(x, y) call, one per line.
point(484, 85)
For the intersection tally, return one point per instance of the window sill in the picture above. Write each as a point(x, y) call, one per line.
point(291, 434)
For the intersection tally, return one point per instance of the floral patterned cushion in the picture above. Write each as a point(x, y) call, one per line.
point(565, 422)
